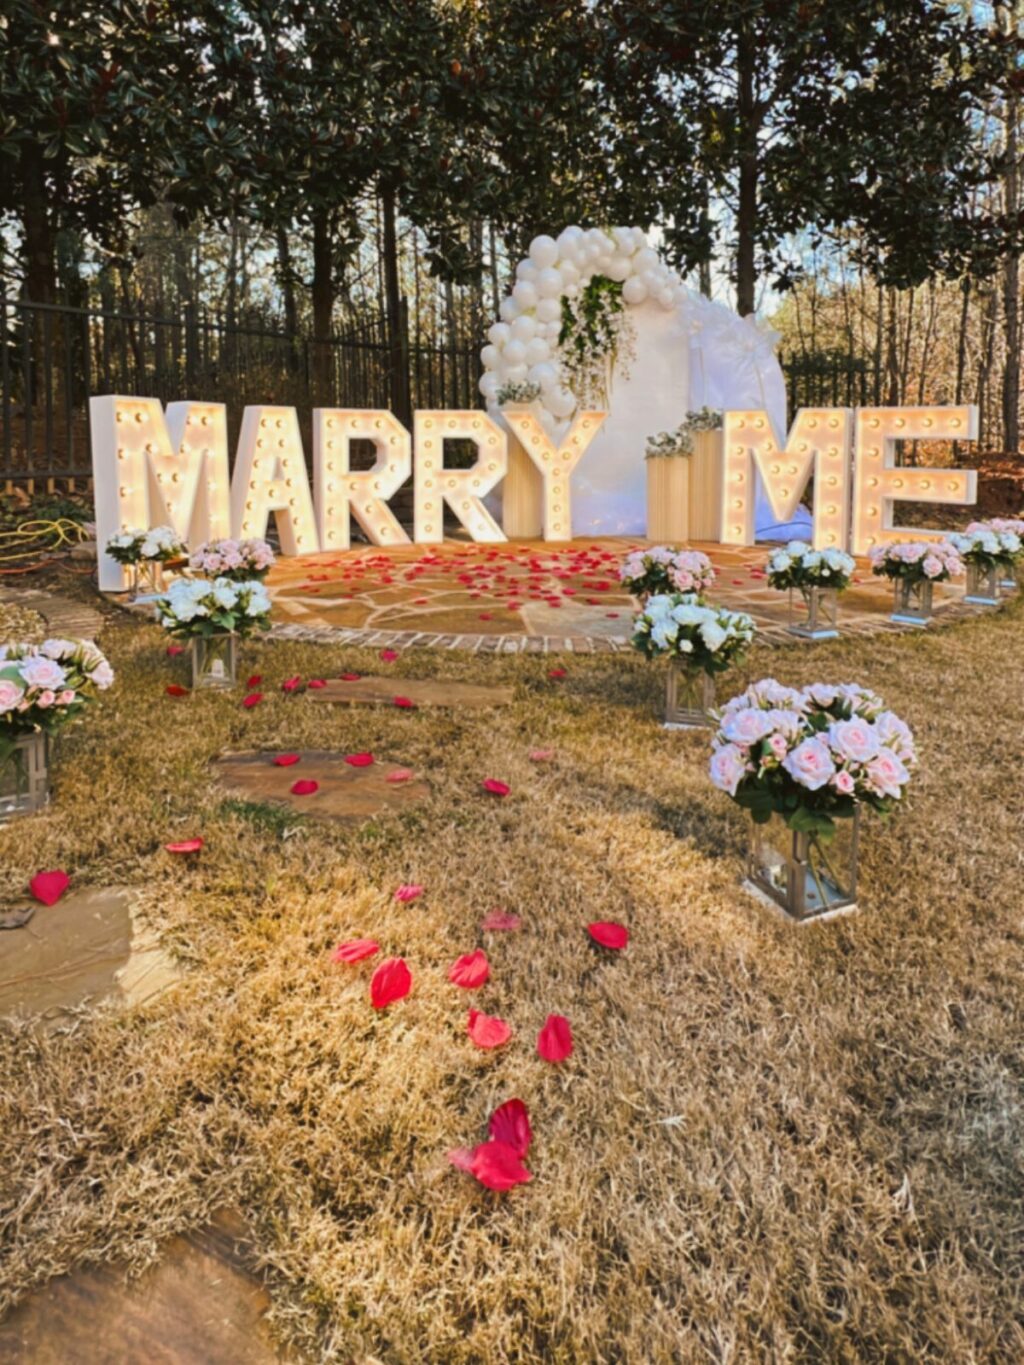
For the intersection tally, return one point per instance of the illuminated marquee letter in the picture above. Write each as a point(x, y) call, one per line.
point(461, 489)
point(555, 463)
point(270, 477)
point(818, 441)
point(341, 491)
point(879, 482)
point(149, 470)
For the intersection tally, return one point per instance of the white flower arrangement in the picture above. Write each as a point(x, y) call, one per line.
point(662, 569)
point(799, 565)
point(44, 686)
point(194, 607)
point(704, 638)
point(987, 548)
point(517, 391)
point(680, 441)
point(157, 545)
point(238, 560)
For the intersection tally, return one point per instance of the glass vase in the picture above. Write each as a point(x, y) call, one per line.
point(814, 612)
point(982, 585)
point(803, 875)
point(147, 579)
point(1009, 579)
point(689, 697)
point(214, 660)
point(24, 776)
point(912, 601)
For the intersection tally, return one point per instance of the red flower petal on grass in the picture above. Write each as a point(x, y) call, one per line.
point(470, 970)
point(541, 755)
point(304, 787)
point(286, 760)
point(510, 1123)
point(496, 788)
point(176, 690)
point(400, 775)
point(174, 650)
point(185, 846)
point(391, 981)
point(497, 1165)
point(485, 1030)
point(253, 699)
point(355, 950)
point(350, 677)
point(389, 655)
point(406, 703)
point(255, 680)
point(554, 1041)
point(557, 673)
point(462, 1158)
point(317, 682)
point(48, 887)
point(500, 921)
point(291, 684)
point(609, 934)
point(407, 892)
point(359, 760)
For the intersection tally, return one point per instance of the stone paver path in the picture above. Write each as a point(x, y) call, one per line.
point(344, 792)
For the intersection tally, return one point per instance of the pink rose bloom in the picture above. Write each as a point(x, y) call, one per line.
point(822, 694)
point(779, 746)
point(66, 697)
point(843, 783)
point(38, 671)
point(46, 699)
point(810, 764)
point(932, 566)
point(10, 695)
point(855, 741)
point(728, 766)
point(746, 727)
point(887, 774)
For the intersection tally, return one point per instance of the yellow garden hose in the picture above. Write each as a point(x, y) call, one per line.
point(35, 539)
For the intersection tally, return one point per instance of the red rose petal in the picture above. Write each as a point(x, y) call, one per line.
point(470, 970)
point(355, 950)
point(557, 673)
point(496, 788)
point(406, 703)
point(359, 760)
point(407, 892)
point(255, 680)
point(500, 921)
point(176, 690)
point(541, 755)
point(48, 887)
point(174, 650)
point(389, 655)
point(462, 1158)
point(510, 1123)
point(400, 775)
point(554, 1041)
point(497, 1165)
point(391, 981)
point(609, 934)
point(350, 677)
point(316, 683)
point(304, 787)
point(286, 760)
point(291, 684)
point(185, 846)
point(486, 1031)
point(253, 699)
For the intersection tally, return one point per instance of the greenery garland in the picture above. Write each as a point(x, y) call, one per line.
point(592, 336)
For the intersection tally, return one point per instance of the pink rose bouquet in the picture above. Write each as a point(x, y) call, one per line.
point(917, 560)
point(42, 687)
point(237, 560)
point(664, 570)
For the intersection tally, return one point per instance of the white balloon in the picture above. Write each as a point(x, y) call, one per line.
point(543, 251)
point(509, 310)
point(498, 333)
point(568, 237)
point(514, 353)
point(488, 385)
point(550, 330)
point(524, 327)
point(545, 374)
point(569, 272)
point(549, 310)
point(666, 297)
point(647, 259)
point(489, 356)
point(571, 291)
point(525, 294)
point(624, 240)
point(639, 238)
point(653, 279)
point(526, 270)
point(515, 373)
point(559, 401)
point(619, 268)
point(549, 283)
point(536, 350)
point(633, 291)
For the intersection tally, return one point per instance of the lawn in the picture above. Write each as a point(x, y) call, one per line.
point(769, 1143)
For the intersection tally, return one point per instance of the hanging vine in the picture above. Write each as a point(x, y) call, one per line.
point(595, 336)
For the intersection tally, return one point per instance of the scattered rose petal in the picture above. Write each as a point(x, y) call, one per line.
point(400, 775)
point(176, 690)
point(486, 1031)
point(359, 760)
point(609, 934)
point(174, 650)
point(510, 1123)
point(291, 684)
point(557, 673)
point(389, 655)
point(391, 981)
point(496, 788)
point(407, 892)
point(304, 787)
point(541, 755)
point(48, 887)
point(470, 970)
point(255, 680)
point(405, 703)
point(350, 677)
point(286, 760)
point(185, 846)
point(253, 699)
point(554, 1041)
point(462, 1159)
point(354, 950)
point(317, 683)
point(500, 921)
point(497, 1165)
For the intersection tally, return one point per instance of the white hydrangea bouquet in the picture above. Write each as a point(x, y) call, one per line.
point(799, 565)
point(665, 570)
point(703, 638)
point(237, 560)
point(157, 545)
point(987, 548)
point(194, 608)
point(42, 687)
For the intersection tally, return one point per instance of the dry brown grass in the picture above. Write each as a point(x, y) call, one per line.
point(841, 1175)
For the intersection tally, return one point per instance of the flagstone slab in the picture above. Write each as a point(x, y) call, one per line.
point(374, 691)
point(90, 946)
point(200, 1305)
point(344, 793)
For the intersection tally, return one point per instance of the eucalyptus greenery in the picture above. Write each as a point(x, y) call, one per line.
point(680, 441)
point(595, 334)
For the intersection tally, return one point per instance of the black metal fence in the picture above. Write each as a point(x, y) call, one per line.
point(53, 358)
